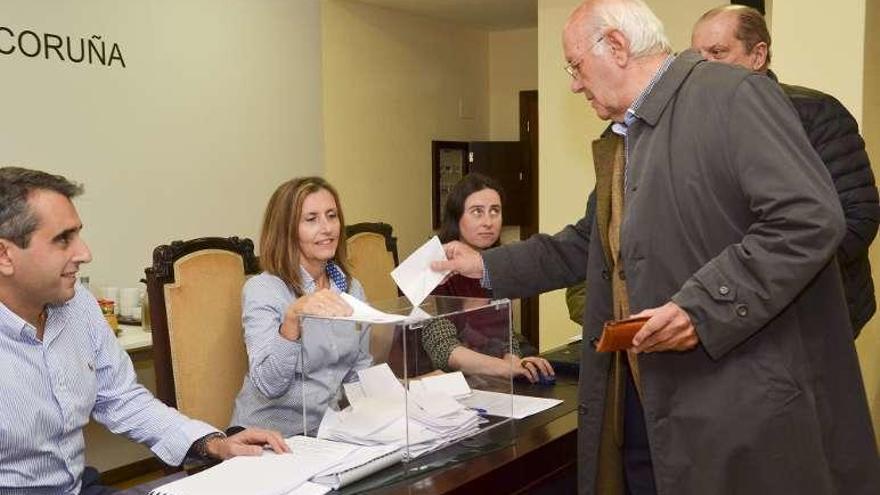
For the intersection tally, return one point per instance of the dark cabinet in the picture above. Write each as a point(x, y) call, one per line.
point(504, 161)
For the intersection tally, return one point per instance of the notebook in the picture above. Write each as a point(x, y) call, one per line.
point(354, 461)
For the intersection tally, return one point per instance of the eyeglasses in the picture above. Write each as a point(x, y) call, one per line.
point(571, 67)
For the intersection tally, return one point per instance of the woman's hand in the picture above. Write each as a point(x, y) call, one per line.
point(324, 302)
point(531, 367)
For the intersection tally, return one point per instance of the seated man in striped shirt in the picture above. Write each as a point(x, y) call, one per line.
point(60, 362)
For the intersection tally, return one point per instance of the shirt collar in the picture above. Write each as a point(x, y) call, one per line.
point(632, 114)
point(334, 274)
point(15, 326)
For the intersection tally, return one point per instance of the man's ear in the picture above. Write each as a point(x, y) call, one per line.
point(759, 56)
point(619, 46)
point(6, 264)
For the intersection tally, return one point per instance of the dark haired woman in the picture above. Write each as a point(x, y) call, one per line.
point(476, 344)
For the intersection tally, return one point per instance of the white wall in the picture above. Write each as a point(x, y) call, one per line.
point(392, 83)
point(218, 103)
point(821, 46)
point(513, 67)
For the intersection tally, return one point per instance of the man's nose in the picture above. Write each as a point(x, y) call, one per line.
point(83, 254)
point(576, 86)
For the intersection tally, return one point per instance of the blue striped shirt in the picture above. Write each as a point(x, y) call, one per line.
point(329, 353)
point(50, 388)
point(632, 114)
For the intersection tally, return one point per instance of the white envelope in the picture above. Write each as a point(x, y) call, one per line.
point(415, 277)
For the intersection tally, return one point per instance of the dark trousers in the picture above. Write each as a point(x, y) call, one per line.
point(636, 454)
point(91, 483)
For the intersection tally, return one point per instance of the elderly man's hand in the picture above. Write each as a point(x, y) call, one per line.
point(669, 328)
point(462, 259)
point(248, 442)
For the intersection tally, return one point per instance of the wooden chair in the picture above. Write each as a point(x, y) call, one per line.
point(194, 290)
point(372, 254)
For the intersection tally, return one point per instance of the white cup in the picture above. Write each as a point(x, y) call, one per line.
point(112, 293)
point(130, 302)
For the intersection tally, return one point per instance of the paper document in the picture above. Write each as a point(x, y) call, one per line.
point(379, 382)
point(382, 413)
point(415, 277)
point(499, 404)
point(309, 488)
point(453, 384)
point(268, 474)
point(353, 392)
point(362, 311)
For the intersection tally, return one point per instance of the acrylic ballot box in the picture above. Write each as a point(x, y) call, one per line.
point(422, 378)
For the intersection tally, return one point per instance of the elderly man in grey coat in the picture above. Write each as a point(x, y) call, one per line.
point(715, 218)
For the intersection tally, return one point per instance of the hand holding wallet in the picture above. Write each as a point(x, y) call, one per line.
point(617, 335)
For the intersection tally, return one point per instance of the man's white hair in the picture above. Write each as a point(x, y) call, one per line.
point(636, 21)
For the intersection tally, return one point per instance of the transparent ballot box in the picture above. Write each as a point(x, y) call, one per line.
point(421, 378)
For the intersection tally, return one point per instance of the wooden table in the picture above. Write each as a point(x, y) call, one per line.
point(135, 341)
point(537, 454)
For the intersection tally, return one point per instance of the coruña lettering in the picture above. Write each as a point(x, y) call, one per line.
point(93, 50)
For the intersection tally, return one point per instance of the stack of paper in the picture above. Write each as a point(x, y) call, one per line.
point(268, 474)
point(383, 413)
point(349, 462)
point(329, 465)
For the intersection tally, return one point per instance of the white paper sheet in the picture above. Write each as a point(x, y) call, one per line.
point(499, 404)
point(363, 312)
point(353, 392)
point(415, 277)
point(268, 474)
point(453, 384)
point(379, 382)
point(309, 488)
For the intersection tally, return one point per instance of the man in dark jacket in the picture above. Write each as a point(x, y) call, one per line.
point(715, 219)
point(736, 34)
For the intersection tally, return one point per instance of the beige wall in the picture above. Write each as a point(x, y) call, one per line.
point(821, 47)
point(567, 128)
point(868, 343)
point(513, 67)
point(392, 83)
point(219, 102)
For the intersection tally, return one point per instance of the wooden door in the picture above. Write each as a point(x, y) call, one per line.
point(528, 137)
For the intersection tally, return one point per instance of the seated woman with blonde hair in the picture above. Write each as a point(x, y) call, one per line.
point(472, 214)
point(302, 253)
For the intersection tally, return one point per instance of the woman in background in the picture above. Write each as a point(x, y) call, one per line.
point(473, 215)
point(302, 253)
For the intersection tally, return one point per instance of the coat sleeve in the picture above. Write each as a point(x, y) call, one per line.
point(797, 221)
point(543, 262)
point(576, 295)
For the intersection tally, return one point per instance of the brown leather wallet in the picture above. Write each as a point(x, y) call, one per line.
point(618, 335)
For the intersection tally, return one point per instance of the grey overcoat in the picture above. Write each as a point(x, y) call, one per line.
point(730, 214)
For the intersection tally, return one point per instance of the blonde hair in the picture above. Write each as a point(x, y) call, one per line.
point(279, 238)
